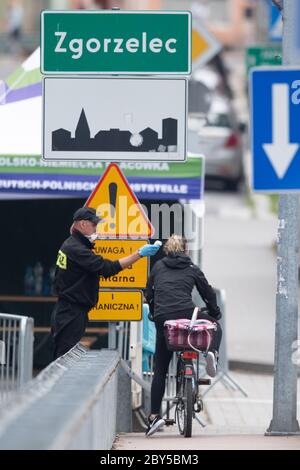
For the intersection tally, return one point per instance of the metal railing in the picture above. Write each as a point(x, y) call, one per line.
point(76, 403)
point(123, 339)
point(16, 353)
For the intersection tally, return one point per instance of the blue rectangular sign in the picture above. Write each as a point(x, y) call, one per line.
point(275, 23)
point(275, 129)
point(297, 29)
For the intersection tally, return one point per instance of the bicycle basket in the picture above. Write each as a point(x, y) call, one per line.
point(176, 334)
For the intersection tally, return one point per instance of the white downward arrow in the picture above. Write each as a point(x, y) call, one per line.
point(281, 152)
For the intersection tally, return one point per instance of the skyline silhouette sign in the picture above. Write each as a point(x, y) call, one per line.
point(114, 119)
point(115, 139)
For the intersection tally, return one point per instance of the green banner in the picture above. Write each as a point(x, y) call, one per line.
point(148, 180)
point(192, 168)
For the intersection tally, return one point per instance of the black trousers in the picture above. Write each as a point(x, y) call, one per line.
point(68, 324)
point(162, 358)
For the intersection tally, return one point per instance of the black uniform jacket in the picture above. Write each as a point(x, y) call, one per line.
point(170, 286)
point(78, 271)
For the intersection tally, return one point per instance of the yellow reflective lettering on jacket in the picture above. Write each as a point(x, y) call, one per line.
point(61, 260)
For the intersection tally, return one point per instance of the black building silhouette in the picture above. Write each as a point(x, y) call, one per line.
point(61, 140)
point(112, 140)
point(169, 132)
point(150, 140)
point(115, 140)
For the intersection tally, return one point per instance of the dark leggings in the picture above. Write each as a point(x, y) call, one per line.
point(162, 358)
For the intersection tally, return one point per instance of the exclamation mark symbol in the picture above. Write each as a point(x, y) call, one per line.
point(112, 189)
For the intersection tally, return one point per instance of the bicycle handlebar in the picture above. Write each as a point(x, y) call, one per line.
point(195, 314)
point(194, 317)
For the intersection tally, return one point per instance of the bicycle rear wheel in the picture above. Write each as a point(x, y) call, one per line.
point(179, 412)
point(180, 416)
point(188, 407)
point(184, 408)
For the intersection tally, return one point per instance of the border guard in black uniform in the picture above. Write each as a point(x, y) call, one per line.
point(77, 275)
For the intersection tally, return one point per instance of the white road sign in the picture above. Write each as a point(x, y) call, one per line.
point(114, 119)
point(205, 45)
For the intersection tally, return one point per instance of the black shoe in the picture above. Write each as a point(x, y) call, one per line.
point(154, 425)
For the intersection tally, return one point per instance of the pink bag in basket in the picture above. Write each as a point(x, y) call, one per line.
point(177, 331)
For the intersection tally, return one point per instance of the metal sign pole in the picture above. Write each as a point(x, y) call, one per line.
point(112, 335)
point(284, 420)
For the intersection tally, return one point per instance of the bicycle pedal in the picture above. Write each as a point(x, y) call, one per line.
point(169, 422)
point(204, 381)
point(198, 406)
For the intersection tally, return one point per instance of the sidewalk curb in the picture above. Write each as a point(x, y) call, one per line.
point(242, 366)
point(251, 367)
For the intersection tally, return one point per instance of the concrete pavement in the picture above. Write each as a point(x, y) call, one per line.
point(207, 441)
point(233, 422)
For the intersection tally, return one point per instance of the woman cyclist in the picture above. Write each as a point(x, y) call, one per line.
point(169, 294)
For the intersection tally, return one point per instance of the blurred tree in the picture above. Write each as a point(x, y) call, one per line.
point(103, 4)
point(15, 13)
point(90, 4)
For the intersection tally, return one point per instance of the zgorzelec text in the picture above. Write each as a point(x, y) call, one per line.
point(112, 45)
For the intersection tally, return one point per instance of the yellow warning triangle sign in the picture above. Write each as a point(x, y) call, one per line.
point(116, 203)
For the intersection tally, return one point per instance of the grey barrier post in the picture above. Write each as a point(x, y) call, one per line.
point(284, 419)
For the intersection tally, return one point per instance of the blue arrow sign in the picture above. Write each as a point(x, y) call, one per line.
point(275, 129)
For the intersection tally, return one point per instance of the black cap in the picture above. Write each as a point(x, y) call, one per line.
point(86, 213)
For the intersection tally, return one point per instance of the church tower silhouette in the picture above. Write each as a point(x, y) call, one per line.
point(82, 132)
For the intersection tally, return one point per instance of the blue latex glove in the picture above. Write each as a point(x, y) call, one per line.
point(150, 250)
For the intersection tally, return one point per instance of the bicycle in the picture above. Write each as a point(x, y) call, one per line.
point(189, 334)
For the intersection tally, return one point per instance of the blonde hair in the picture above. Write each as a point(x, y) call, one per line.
point(175, 244)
